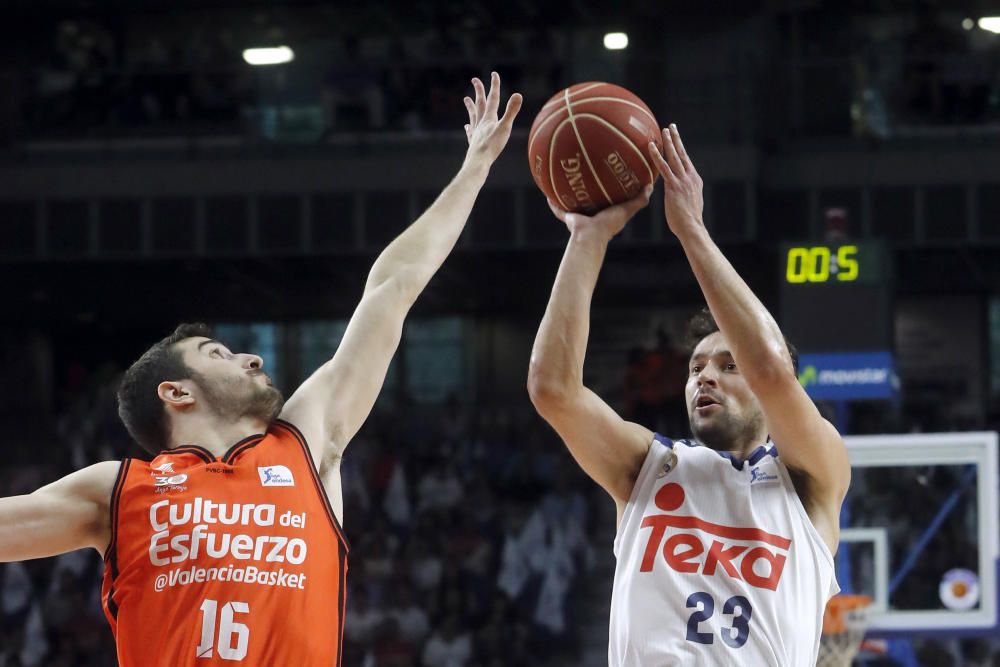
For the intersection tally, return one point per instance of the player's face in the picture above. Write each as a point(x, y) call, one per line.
point(232, 385)
point(723, 412)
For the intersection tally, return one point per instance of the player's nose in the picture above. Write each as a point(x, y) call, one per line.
point(707, 376)
point(252, 362)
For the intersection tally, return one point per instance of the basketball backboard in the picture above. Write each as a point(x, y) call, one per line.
point(920, 533)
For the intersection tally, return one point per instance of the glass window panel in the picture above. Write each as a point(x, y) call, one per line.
point(435, 359)
point(260, 338)
point(318, 342)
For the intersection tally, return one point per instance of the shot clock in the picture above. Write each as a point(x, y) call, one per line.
point(836, 297)
point(847, 263)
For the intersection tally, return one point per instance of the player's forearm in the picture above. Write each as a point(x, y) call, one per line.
point(556, 367)
point(756, 341)
point(415, 255)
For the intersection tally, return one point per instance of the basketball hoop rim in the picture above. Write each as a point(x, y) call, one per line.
point(837, 608)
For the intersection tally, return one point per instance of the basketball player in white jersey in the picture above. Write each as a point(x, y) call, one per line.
point(725, 542)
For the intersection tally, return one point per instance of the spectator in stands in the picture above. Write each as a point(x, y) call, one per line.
point(448, 646)
point(410, 617)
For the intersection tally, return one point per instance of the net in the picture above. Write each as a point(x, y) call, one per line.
point(844, 623)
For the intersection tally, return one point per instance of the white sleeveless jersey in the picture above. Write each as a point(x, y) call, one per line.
point(718, 564)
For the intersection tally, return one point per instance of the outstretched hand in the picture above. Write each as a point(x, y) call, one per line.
point(608, 221)
point(683, 202)
point(486, 133)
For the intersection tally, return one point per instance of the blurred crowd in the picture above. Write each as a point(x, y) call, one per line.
point(905, 74)
point(476, 537)
point(873, 75)
point(95, 82)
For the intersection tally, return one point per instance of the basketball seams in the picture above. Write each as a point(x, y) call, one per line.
point(583, 149)
point(535, 131)
point(575, 92)
point(617, 100)
point(552, 176)
point(631, 144)
point(552, 144)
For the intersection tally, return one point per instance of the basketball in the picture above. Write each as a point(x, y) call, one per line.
point(587, 147)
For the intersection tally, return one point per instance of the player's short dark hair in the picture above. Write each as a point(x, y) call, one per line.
point(703, 324)
point(139, 406)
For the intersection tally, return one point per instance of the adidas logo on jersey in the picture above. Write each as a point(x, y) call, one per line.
point(275, 476)
point(668, 465)
point(166, 468)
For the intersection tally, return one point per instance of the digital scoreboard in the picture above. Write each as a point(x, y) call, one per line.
point(844, 264)
point(836, 297)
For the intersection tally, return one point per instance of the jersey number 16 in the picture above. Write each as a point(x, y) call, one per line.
point(233, 637)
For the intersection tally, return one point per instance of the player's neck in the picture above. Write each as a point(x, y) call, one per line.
point(215, 435)
point(743, 449)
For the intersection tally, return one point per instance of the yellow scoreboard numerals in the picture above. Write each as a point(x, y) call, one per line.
point(821, 264)
point(847, 260)
point(808, 265)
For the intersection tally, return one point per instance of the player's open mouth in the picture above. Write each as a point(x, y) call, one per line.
point(705, 403)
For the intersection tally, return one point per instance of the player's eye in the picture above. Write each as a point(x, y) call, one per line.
point(730, 366)
point(695, 369)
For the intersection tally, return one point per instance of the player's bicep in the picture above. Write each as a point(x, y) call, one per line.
point(71, 513)
point(333, 403)
point(610, 449)
point(806, 441)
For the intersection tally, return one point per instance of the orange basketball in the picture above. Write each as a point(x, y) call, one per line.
point(587, 147)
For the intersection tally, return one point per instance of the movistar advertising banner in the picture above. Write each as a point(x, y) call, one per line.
point(848, 376)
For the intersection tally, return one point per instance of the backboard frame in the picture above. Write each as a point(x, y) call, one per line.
point(975, 448)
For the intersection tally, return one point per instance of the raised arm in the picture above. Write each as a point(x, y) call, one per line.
point(608, 448)
point(332, 405)
point(69, 514)
point(807, 442)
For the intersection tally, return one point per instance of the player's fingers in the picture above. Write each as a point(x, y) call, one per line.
point(660, 163)
point(513, 106)
point(670, 152)
point(480, 98)
point(468, 132)
point(493, 97)
point(679, 145)
point(556, 211)
point(639, 202)
point(471, 108)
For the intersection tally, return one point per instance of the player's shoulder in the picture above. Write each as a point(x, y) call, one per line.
point(674, 442)
point(95, 482)
point(105, 471)
point(679, 446)
point(104, 474)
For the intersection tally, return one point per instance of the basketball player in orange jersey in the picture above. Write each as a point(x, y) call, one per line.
point(724, 544)
point(226, 548)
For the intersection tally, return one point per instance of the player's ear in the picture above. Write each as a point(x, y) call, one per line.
point(175, 394)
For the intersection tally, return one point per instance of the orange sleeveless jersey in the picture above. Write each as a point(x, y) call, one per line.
point(232, 561)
